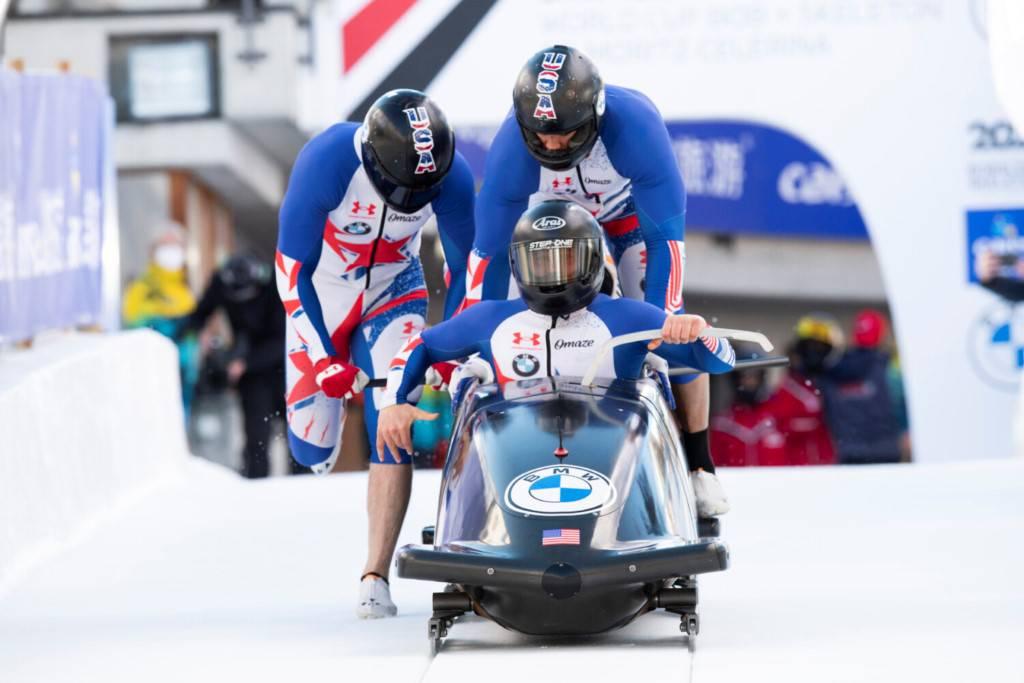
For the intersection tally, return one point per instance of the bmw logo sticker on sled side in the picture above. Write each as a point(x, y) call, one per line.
point(559, 490)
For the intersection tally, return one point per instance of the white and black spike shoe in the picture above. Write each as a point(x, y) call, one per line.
point(711, 500)
point(327, 465)
point(375, 598)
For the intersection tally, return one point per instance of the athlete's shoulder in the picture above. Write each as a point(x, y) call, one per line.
point(627, 107)
point(508, 146)
point(627, 312)
point(334, 143)
point(459, 179)
point(494, 311)
point(512, 173)
point(508, 139)
point(475, 324)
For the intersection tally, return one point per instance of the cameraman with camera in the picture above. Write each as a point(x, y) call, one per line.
point(1002, 274)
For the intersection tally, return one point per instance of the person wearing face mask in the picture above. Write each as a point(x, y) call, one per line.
point(244, 289)
point(796, 407)
point(160, 296)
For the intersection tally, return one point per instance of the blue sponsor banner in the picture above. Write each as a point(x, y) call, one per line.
point(998, 231)
point(51, 205)
point(742, 178)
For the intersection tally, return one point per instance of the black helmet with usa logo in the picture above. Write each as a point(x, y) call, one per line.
point(559, 91)
point(407, 148)
point(557, 257)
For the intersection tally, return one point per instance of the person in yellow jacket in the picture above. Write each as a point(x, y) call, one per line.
point(159, 297)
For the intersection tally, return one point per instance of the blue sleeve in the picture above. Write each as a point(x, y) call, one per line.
point(463, 335)
point(623, 316)
point(511, 176)
point(454, 210)
point(639, 147)
point(321, 173)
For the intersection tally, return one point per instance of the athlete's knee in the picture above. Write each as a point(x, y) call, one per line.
point(308, 454)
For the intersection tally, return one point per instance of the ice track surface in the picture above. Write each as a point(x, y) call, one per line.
point(867, 574)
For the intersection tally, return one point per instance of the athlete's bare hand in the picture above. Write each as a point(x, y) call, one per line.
point(394, 428)
point(679, 329)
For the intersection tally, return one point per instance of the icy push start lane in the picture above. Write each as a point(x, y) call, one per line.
point(869, 574)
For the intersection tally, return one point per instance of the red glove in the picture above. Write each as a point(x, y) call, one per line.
point(439, 375)
point(338, 379)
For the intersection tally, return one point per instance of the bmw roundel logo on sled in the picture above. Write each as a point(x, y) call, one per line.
point(559, 490)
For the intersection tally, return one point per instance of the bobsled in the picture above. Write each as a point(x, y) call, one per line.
point(565, 509)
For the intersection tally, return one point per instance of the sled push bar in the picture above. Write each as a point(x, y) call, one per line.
point(719, 332)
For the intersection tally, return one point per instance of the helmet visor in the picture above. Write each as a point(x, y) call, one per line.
point(549, 262)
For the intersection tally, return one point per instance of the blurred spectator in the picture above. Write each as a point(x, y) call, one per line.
point(1001, 273)
point(796, 406)
point(244, 289)
point(895, 377)
point(747, 435)
point(860, 408)
point(160, 296)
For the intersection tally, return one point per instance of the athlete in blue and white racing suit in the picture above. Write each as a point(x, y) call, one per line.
point(606, 148)
point(555, 328)
point(349, 274)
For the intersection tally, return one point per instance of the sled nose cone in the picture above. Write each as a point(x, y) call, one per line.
point(561, 581)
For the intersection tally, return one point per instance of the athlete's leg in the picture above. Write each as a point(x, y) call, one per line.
point(314, 419)
point(693, 405)
point(391, 319)
point(691, 392)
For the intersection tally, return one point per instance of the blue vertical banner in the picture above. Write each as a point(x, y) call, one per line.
point(52, 155)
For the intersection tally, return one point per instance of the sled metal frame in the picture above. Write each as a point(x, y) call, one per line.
point(709, 332)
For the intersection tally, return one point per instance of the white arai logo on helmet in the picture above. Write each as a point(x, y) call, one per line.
point(548, 223)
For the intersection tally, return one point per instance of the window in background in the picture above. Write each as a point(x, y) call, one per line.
point(43, 7)
point(156, 78)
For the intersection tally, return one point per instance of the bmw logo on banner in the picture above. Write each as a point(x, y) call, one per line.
point(996, 345)
point(559, 490)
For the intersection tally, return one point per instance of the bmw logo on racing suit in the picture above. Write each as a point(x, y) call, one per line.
point(358, 228)
point(525, 365)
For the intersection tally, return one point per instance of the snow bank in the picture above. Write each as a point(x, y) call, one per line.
point(87, 423)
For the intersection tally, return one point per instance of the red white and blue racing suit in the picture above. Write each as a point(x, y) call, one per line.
point(521, 344)
point(630, 182)
point(350, 277)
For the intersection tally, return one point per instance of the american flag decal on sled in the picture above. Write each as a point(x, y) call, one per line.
point(560, 537)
